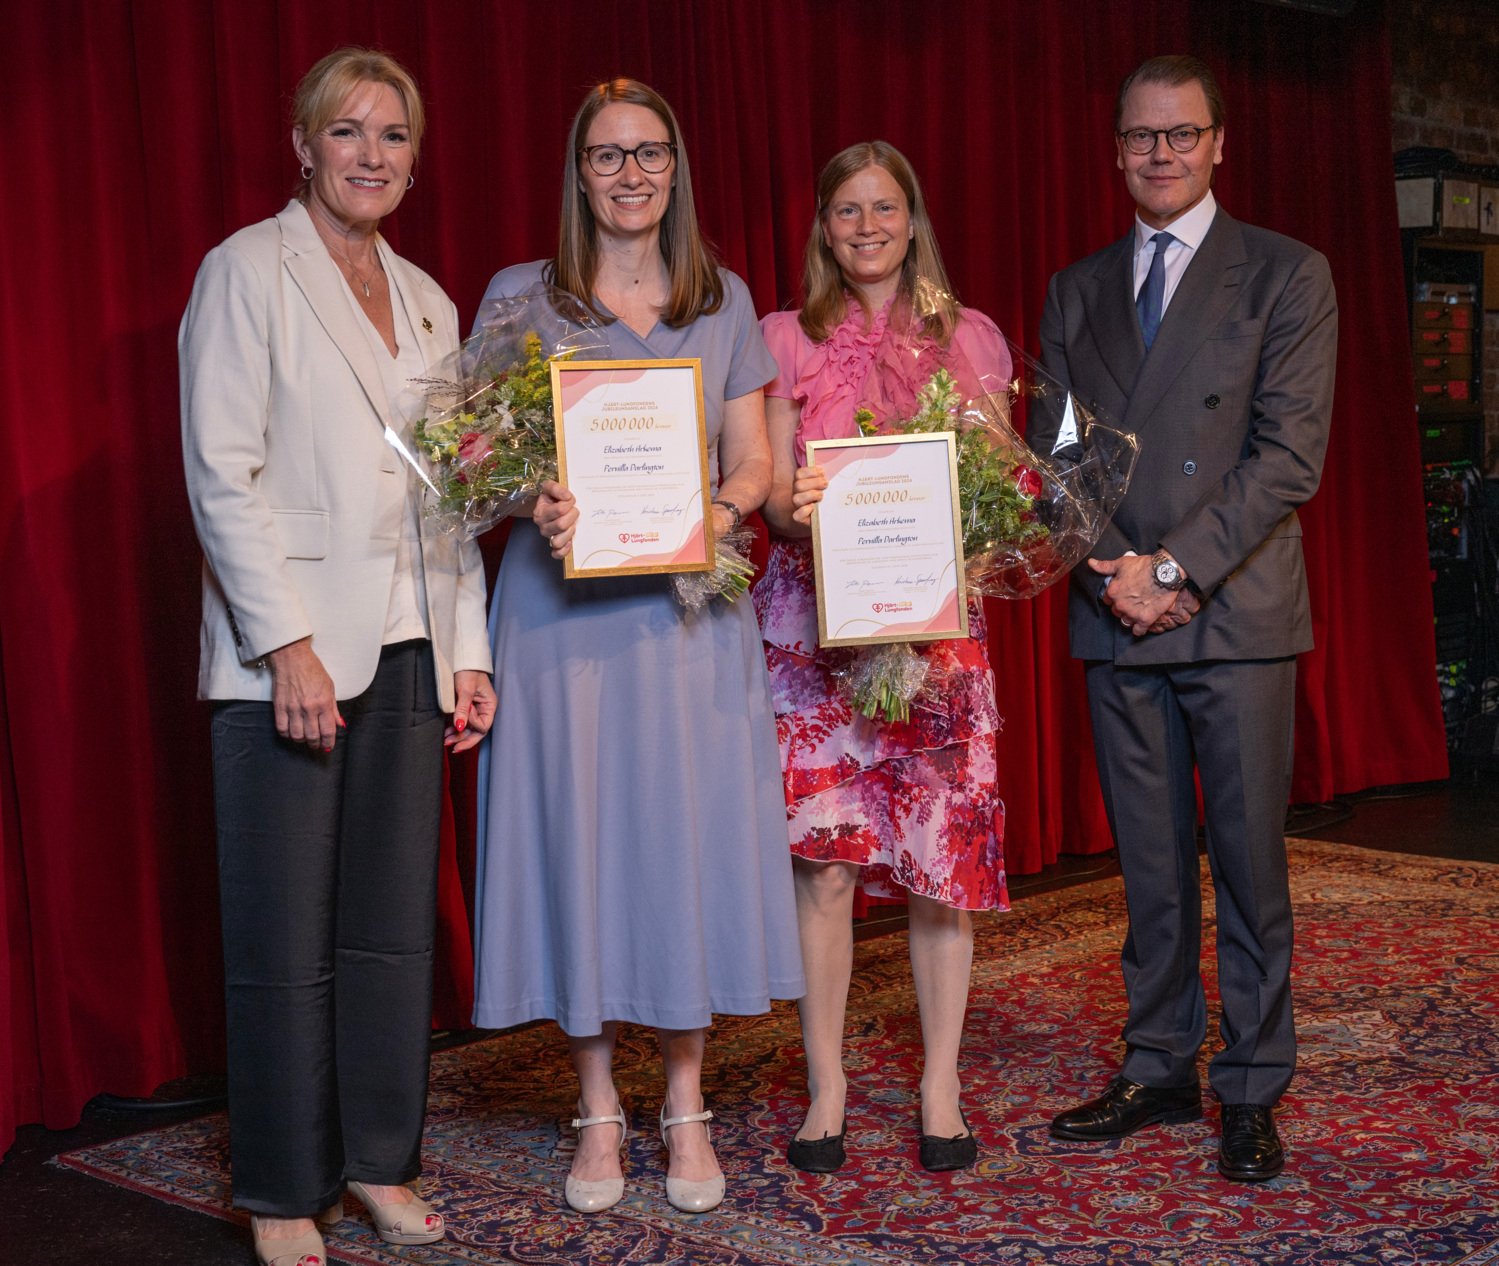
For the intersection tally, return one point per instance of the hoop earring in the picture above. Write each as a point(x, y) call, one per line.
point(410, 180)
point(307, 172)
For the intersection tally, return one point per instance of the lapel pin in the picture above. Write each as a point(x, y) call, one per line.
point(427, 324)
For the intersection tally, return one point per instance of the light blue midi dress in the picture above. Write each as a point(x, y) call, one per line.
point(633, 854)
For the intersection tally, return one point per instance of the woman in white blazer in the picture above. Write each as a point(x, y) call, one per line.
point(337, 632)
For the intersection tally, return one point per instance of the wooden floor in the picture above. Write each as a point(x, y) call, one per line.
point(51, 1217)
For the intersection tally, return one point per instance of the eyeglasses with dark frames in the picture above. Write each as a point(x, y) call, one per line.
point(1183, 138)
point(652, 157)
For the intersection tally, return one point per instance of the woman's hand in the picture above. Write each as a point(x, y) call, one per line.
point(807, 487)
point(302, 696)
point(556, 516)
point(473, 712)
point(723, 522)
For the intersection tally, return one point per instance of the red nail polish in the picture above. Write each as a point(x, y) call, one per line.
point(459, 723)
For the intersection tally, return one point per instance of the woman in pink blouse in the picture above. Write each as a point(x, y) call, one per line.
point(907, 809)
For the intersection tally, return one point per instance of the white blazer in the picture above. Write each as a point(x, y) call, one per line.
point(297, 497)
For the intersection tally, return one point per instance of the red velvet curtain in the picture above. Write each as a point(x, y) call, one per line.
point(140, 134)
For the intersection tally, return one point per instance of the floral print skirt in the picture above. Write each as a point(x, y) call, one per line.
point(914, 804)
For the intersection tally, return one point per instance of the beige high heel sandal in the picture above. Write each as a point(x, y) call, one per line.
point(604, 1193)
point(683, 1193)
point(305, 1250)
point(414, 1222)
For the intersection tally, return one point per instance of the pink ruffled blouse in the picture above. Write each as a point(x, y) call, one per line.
point(875, 368)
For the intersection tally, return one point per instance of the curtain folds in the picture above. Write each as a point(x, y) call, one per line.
point(143, 133)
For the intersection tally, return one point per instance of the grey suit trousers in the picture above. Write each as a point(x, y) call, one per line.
point(1234, 720)
point(328, 883)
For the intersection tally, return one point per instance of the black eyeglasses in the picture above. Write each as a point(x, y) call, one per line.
point(1183, 139)
point(650, 156)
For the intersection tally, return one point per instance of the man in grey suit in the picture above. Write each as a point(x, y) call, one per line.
point(1215, 343)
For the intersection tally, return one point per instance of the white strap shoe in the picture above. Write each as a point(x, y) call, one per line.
point(684, 1193)
point(604, 1193)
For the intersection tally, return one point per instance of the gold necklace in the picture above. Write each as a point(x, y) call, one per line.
point(354, 272)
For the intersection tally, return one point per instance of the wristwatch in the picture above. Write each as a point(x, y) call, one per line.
point(1167, 572)
point(732, 509)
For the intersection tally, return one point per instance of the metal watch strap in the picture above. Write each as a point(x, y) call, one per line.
point(1161, 558)
point(732, 509)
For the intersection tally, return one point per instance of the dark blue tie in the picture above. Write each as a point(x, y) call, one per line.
point(1148, 301)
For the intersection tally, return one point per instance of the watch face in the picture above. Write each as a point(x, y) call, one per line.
point(1167, 574)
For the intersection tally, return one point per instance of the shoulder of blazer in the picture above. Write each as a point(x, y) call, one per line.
point(257, 244)
point(1102, 262)
point(1255, 242)
point(298, 234)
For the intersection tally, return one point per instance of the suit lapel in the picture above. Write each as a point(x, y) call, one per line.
point(1205, 294)
point(426, 306)
point(318, 278)
point(1110, 306)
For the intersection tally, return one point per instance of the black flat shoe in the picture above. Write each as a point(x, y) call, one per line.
point(940, 1154)
point(818, 1156)
point(1125, 1107)
point(1250, 1150)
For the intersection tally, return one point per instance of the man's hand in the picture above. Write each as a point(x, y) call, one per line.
point(1182, 610)
point(1132, 593)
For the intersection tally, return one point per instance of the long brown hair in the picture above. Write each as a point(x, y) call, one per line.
point(696, 286)
point(824, 292)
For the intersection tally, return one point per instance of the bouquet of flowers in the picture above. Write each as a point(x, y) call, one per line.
point(489, 440)
point(1026, 521)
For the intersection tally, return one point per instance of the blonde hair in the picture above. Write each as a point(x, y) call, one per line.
point(324, 89)
point(824, 291)
point(697, 287)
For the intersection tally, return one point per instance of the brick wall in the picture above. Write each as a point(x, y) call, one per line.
point(1445, 92)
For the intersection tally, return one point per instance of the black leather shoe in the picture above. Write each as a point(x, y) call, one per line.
point(939, 1154)
point(818, 1156)
point(1250, 1150)
point(1125, 1107)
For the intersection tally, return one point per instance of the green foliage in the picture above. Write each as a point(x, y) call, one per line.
point(996, 495)
point(498, 446)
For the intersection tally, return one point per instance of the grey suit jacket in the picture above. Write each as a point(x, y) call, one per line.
point(1231, 408)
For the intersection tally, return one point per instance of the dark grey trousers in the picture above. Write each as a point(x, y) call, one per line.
point(328, 885)
point(1233, 719)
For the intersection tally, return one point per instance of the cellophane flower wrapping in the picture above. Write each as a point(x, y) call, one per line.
point(1026, 520)
point(731, 575)
point(488, 438)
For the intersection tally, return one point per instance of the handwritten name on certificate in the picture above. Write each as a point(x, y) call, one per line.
point(887, 546)
point(632, 447)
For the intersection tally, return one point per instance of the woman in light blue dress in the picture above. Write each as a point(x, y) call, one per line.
point(633, 860)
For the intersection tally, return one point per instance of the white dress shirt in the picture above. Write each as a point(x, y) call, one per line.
point(1188, 230)
point(406, 618)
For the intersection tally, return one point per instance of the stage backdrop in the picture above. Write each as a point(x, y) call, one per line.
point(140, 134)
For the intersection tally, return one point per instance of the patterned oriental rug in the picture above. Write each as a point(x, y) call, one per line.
point(1392, 1123)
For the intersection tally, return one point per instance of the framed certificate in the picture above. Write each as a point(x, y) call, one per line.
point(632, 446)
point(887, 540)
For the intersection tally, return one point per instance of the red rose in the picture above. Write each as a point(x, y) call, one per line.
point(1028, 481)
point(473, 447)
